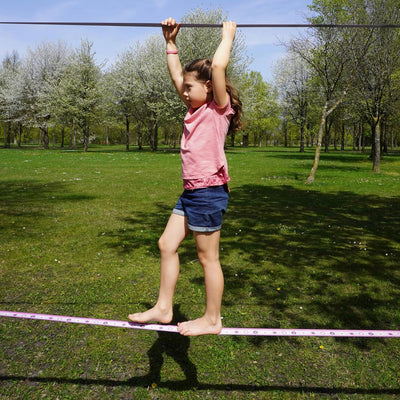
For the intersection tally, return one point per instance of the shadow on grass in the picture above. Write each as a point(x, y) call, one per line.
point(142, 230)
point(218, 387)
point(332, 255)
point(25, 201)
point(174, 346)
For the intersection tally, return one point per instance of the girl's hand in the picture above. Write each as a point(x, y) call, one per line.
point(170, 29)
point(228, 30)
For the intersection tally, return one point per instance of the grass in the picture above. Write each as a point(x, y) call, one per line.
point(79, 237)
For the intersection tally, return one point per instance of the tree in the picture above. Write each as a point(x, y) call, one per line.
point(260, 108)
point(142, 91)
point(41, 74)
point(334, 55)
point(376, 72)
point(108, 111)
point(10, 110)
point(153, 91)
point(293, 77)
point(78, 91)
point(196, 43)
point(121, 84)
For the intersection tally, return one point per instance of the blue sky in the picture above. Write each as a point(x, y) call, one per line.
point(263, 44)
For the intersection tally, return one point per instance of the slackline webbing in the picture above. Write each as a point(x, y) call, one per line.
point(225, 331)
point(195, 25)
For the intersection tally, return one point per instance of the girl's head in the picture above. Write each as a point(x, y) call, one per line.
point(197, 82)
point(198, 87)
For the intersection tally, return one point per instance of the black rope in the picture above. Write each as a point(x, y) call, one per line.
point(194, 25)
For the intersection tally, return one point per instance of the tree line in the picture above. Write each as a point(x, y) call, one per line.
point(334, 86)
point(62, 94)
point(345, 79)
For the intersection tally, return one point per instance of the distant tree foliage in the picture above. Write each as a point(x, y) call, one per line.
point(353, 72)
point(333, 87)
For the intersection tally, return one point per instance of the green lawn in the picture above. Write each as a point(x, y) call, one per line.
point(78, 236)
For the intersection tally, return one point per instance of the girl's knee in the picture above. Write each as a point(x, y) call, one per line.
point(208, 258)
point(162, 244)
point(165, 246)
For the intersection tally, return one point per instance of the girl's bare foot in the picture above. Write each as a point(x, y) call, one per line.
point(200, 326)
point(155, 314)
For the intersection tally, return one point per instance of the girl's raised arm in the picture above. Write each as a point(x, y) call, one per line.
point(170, 30)
point(220, 62)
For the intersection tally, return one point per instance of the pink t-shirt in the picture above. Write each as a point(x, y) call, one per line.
point(202, 146)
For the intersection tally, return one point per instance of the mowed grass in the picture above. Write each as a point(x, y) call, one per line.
point(78, 236)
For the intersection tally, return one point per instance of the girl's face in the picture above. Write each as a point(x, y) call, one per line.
point(196, 92)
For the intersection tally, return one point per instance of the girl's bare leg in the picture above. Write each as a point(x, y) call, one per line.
point(208, 252)
point(174, 233)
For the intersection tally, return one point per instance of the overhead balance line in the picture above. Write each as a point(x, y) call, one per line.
point(198, 25)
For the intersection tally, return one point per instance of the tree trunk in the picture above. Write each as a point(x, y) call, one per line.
point(328, 126)
point(392, 137)
point(245, 142)
point(302, 129)
point(127, 133)
point(74, 137)
point(155, 137)
point(153, 128)
point(62, 136)
point(320, 136)
point(362, 137)
point(140, 136)
point(377, 146)
point(335, 139)
point(174, 139)
point(285, 131)
point(54, 135)
point(71, 135)
point(85, 139)
point(232, 139)
point(19, 138)
point(342, 138)
point(385, 139)
point(45, 139)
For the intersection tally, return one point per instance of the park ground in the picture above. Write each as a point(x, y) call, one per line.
point(79, 237)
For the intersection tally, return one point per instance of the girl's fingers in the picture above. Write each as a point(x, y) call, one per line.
point(169, 22)
point(229, 29)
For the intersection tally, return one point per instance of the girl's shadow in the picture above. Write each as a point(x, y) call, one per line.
point(172, 345)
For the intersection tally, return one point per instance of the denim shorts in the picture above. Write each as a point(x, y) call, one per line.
point(203, 208)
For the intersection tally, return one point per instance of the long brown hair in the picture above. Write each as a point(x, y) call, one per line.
point(202, 67)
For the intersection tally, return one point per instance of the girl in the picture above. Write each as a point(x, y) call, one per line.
point(213, 109)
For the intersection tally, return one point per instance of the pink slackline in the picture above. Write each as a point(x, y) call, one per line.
point(225, 331)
